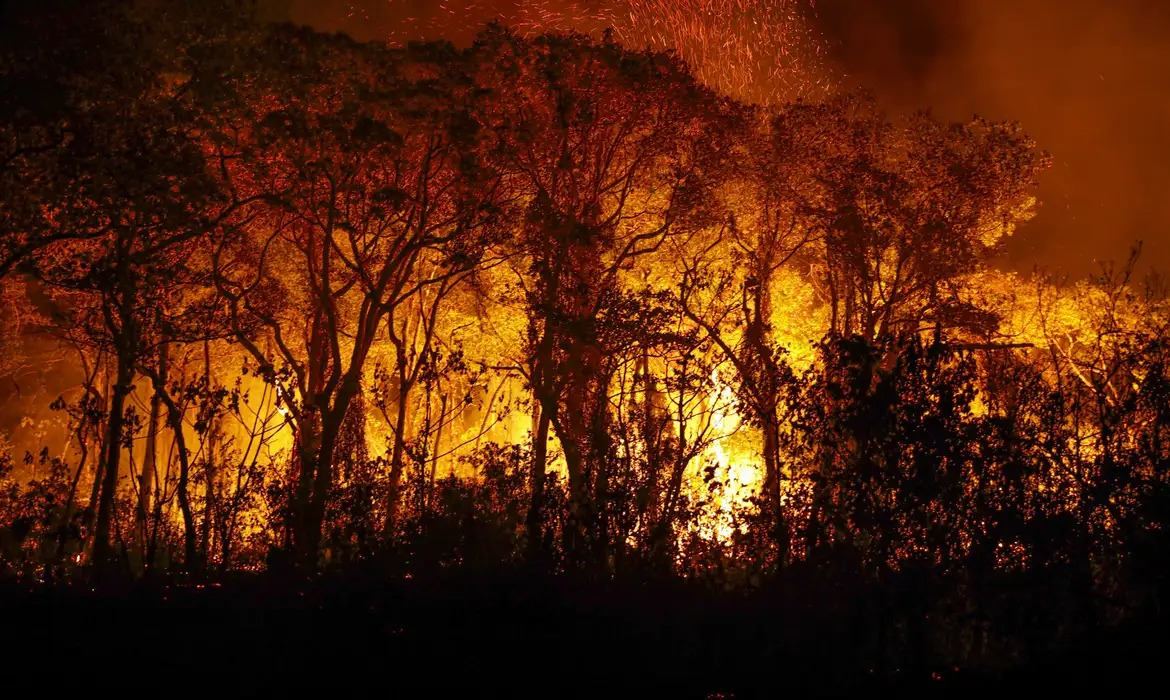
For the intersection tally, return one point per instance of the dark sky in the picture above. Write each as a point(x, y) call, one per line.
point(1088, 79)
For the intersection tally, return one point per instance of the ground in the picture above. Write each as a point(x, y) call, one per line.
point(506, 637)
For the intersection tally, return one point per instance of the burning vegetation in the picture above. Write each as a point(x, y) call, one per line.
point(280, 300)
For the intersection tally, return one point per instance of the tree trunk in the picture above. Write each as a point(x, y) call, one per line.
point(94, 491)
point(673, 490)
point(146, 476)
point(101, 431)
point(207, 525)
point(542, 421)
point(397, 458)
point(308, 444)
point(435, 454)
point(772, 479)
point(113, 456)
point(310, 545)
point(600, 455)
point(66, 522)
point(653, 424)
point(574, 536)
point(175, 422)
point(313, 518)
point(535, 520)
point(209, 473)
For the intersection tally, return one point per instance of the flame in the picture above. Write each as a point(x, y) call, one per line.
point(736, 477)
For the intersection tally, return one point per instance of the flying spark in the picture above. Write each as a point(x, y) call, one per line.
point(761, 51)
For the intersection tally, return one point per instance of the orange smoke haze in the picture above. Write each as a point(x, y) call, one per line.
point(1086, 78)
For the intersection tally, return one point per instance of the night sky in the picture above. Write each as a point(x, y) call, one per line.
point(1088, 79)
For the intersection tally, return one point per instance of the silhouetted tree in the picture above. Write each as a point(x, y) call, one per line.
point(905, 208)
point(376, 193)
point(606, 144)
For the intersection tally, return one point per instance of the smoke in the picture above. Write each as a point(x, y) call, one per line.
point(1086, 78)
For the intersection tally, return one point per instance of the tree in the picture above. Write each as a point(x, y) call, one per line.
point(114, 243)
point(606, 144)
point(369, 160)
point(728, 283)
point(905, 209)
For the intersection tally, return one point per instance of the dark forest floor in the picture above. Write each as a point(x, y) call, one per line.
point(478, 637)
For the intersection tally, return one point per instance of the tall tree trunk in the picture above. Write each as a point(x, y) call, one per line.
point(313, 517)
point(81, 432)
point(670, 499)
point(308, 439)
point(766, 392)
point(543, 409)
point(534, 523)
point(397, 456)
point(601, 454)
point(772, 480)
point(66, 522)
point(574, 535)
point(207, 529)
point(652, 425)
point(309, 546)
point(207, 525)
point(183, 487)
point(576, 430)
point(95, 491)
point(438, 447)
point(111, 462)
point(332, 421)
point(146, 476)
